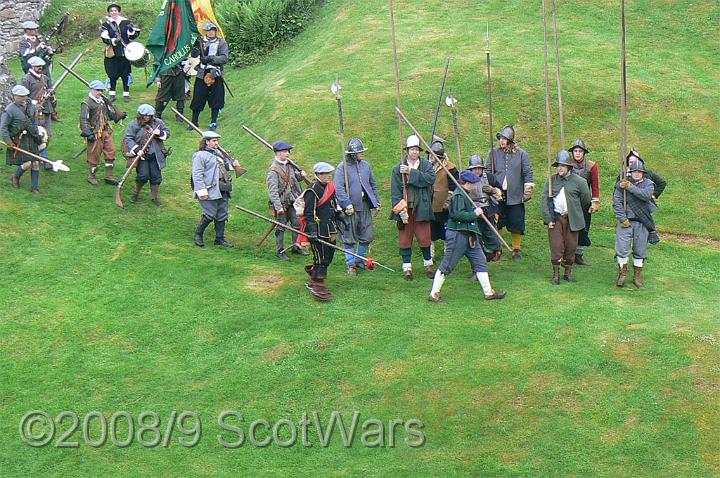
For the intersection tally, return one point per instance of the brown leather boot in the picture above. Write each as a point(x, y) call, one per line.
point(109, 178)
point(92, 179)
point(556, 275)
point(154, 189)
point(637, 277)
point(622, 275)
point(568, 273)
point(15, 181)
point(136, 193)
point(580, 260)
point(430, 272)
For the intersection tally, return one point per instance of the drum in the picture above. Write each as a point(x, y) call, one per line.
point(137, 54)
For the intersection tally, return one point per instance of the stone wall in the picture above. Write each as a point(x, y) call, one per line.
point(12, 14)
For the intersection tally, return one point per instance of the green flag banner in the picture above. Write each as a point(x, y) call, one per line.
point(173, 35)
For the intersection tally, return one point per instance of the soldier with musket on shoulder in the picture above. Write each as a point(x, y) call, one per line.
point(562, 212)
point(153, 160)
point(116, 32)
point(512, 168)
point(38, 83)
point(463, 239)
point(212, 185)
point(283, 183)
point(320, 216)
point(486, 194)
point(31, 45)
point(357, 202)
point(96, 112)
point(413, 176)
point(209, 84)
point(18, 127)
point(589, 171)
point(443, 188)
point(633, 204)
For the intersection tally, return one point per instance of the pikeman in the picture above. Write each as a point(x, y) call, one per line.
point(463, 239)
point(660, 183)
point(283, 183)
point(486, 194)
point(152, 162)
point(562, 212)
point(413, 215)
point(633, 205)
point(209, 84)
point(320, 218)
point(443, 188)
point(588, 170)
point(18, 127)
point(512, 168)
point(38, 84)
point(96, 112)
point(212, 185)
point(116, 32)
point(360, 198)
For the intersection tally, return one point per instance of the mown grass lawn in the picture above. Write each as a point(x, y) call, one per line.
point(116, 310)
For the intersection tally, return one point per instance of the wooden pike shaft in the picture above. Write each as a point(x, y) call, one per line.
point(292, 229)
point(457, 184)
point(548, 132)
point(457, 135)
point(491, 156)
point(397, 94)
point(557, 64)
point(623, 102)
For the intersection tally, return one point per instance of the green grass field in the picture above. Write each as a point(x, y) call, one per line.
point(107, 309)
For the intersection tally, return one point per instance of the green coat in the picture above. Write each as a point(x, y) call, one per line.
point(420, 185)
point(578, 199)
point(461, 213)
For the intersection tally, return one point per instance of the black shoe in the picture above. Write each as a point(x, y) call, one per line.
point(580, 260)
point(156, 202)
point(220, 241)
point(282, 256)
point(190, 128)
point(299, 250)
point(126, 99)
point(517, 255)
point(496, 295)
point(199, 240)
point(134, 197)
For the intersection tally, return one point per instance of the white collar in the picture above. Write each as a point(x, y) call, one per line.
point(120, 18)
point(281, 162)
point(96, 100)
point(36, 75)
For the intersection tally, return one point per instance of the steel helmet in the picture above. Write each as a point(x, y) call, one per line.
point(355, 146)
point(476, 161)
point(563, 157)
point(438, 148)
point(638, 165)
point(579, 143)
point(634, 152)
point(507, 132)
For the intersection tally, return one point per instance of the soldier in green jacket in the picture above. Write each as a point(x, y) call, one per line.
point(463, 239)
point(562, 212)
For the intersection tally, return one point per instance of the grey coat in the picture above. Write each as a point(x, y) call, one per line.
point(217, 60)
point(643, 190)
point(134, 139)
point(282, 192)
point(207, 167)
point(361, 182)
point(38, 87)
point(516, 168)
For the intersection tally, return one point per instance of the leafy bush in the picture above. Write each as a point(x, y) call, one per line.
point(253, 28)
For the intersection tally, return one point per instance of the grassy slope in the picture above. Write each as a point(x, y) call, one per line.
point(111, 310)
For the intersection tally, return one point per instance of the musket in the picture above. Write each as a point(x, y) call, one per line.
point(450, 176)
point(239, 170)
point(451, 101)
point(371, 263)
point(269, 146)
point(397, 97)
point(439, 101)
point(57, 165)
point(63, 75)
point(491, 157)
point(118, 196)
point(548, 132)
point(559, 88)
point(623, 103)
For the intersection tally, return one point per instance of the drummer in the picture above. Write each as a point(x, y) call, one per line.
point(117, 32)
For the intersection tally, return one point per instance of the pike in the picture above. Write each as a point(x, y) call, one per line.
point(450, 176)
point(491, 157)
point(557, 64)
point(371, 263)
point(439, 101)
point(623, 103)
point(56, 165)
point(335, 88)
point(64, 74)
point(239, 170)
point(118, 196)
point(397, 98)
point(451, 101)
point(548, 131)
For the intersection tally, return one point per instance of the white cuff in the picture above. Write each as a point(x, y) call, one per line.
point(595, 200)
point(532, 185)
point(133, 151)
point(202, 192)
point(163, 136)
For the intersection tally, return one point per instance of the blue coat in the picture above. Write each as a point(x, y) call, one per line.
point(360, 180)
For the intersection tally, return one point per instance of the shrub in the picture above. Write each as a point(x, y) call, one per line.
point(253, 28)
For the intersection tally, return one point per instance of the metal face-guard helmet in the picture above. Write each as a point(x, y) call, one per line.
point(507, 132)
point(355, 146)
